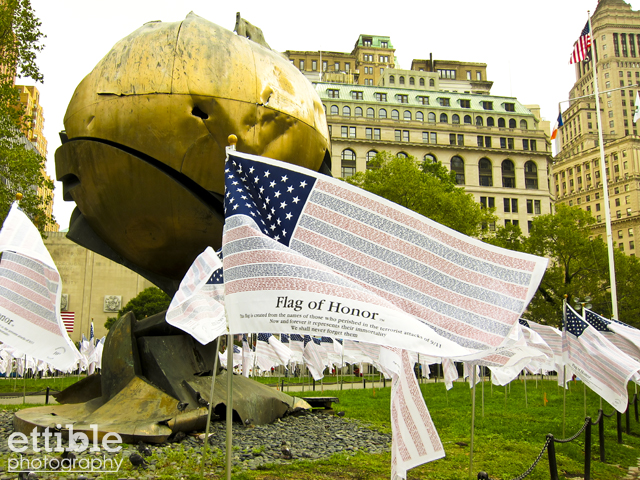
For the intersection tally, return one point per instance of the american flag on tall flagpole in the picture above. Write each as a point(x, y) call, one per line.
point(601, 365)
point(582, 46)
point(296, 239)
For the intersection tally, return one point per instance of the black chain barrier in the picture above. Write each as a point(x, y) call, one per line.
point(550, 442)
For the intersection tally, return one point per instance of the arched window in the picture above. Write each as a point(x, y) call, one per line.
point(335, 110)
point(444, 118)
point(431, 117)
point(455, 118)
point(467, 119)
point(420, 116)
point(457, 166)
point(501, 123)
point(508, 174)
point(392, 79)
point(346, 111)
point(412, 81)
point(479, 121)
point(395, 115)
point(422, 82)
point(401, 78)
point(358, 111)
point(407, 115)
point(523, 125)
point(382, 113)
point(402, 154)
point(430, 158)
point(432, 82)
point(530, 176)
point(348, 166)
point(485, 172)
point(512, 123)
point(371, 154)
point(491, 122)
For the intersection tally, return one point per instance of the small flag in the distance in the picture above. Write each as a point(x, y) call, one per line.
point(559, 123)
point(68, 318)
point(636, 112)
point(582, 46)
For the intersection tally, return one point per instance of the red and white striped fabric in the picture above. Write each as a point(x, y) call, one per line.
point(68, 319)
point(601, 365)
point(198, 305)
point(30, 293)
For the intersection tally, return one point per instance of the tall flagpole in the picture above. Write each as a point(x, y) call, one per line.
point(605, 182)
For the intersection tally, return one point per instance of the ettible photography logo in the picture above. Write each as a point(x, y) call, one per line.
point(56, 457)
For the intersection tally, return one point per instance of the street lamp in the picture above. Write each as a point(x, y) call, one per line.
point(582, 304)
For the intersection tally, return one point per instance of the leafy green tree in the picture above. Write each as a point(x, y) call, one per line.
point(148, 302)
point(429, 190)
point(21, 168)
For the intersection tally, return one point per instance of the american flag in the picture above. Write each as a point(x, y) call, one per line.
point(297, 242)
point(551, 336)
point(68, 319)
point(602, 366)
point(266, 356)
point(623, 336)
point(198, 305)
point(582, 46)
point(282, 351)
point(30, 293)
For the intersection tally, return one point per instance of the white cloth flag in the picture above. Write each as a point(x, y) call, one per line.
point(623, 336)
point(30, 293)
point(601, 365)
point(198, 305)
point(339, 261)
point(450, 372)
point(312, 356)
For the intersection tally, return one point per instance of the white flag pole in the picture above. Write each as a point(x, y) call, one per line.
point(213, 383)
point(473, 419)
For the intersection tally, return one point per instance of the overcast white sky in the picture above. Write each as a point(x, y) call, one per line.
point(526, 45)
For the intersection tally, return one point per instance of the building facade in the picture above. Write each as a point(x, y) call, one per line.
point(93, 287)
point(34, 134)
point(577, 176)
point(439, 110)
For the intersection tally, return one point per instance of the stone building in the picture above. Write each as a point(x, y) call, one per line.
point(93, 287)
point(439, 110)
point(577, 175)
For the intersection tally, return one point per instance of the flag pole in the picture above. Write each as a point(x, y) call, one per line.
point(605, 183)
point(473, 420)
point(564, 363)
point(213, 383)
point(233, 140)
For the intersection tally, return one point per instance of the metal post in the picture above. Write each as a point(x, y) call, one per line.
point(473, 419)
point(635, 405)
point(46, 399)
point(619, 426)
point(627, 415)
point(553, 464)
point(587, 450)
point(526, 398)
point(213, 383)
point(229, 417)
point(601, 433)
point(564, 396)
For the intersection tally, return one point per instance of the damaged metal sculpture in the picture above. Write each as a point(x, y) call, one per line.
point(143, 158)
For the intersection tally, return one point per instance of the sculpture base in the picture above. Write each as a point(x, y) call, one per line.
point(155, 382)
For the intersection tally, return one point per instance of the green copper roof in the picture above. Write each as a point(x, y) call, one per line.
point(376, 41)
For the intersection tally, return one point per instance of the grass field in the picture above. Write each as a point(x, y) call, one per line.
point(510, 433)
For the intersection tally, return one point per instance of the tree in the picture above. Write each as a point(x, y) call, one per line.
point(22, 169)
point(429, 190)
point(148, 302)
point(578, 266)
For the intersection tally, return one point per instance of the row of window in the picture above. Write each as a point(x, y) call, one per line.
point(407, 115)
point(510, 205)
point(372, 133)
point(485, 168)
point(412, 81)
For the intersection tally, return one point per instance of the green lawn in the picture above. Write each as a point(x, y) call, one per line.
point(17, 385)
point(509, 435)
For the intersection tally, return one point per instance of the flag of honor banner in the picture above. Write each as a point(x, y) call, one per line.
point(310, 254)
point(30, 293)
